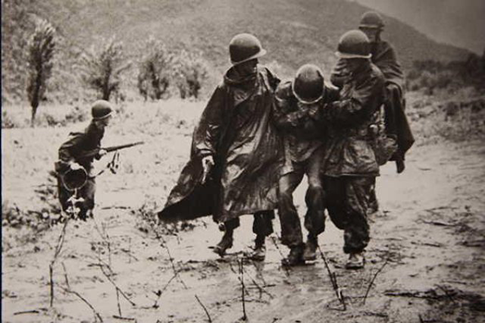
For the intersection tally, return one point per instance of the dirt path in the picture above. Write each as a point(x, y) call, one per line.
point(431, 232)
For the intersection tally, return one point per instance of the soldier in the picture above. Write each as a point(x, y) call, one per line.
point(349, 164)
point(298, 116)
point(71, 158)
point(385, 58)
point(237, 145)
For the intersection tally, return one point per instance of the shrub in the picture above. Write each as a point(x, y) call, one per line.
point(40, 61)
point(101, 69)
point(190, 72)
point(154, 70)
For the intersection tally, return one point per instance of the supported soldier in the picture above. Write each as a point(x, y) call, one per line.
point(297, 114)
point(349, 165)
point(74, 157)
point(236, 152)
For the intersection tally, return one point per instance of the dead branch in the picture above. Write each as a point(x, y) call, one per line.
point(286, 268)
point(57, 251)
point(116, 286)
point(205, 309)
point(119, 317)
point(118, 302)
point(333, 280)
point(160, 292)
point(261, 289)
point(374, 278)
point(27, 312)
point(70, 291)
point(176, 273)
point(241, 273)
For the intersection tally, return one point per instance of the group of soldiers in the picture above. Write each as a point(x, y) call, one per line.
point(258, 137)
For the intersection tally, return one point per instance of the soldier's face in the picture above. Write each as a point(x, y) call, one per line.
point(247, 68)
point(352, 64)
point(103, 123)
point(371, 33)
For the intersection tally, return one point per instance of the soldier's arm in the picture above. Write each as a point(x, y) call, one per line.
point(207, 131)
point(351, 110)
point(339, 74)
point(284, 117)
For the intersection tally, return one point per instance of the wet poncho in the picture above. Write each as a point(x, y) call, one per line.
point(237, 130)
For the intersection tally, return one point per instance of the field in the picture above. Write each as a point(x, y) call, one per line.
point(424, 263)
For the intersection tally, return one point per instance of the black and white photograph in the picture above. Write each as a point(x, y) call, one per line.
point(271, 161)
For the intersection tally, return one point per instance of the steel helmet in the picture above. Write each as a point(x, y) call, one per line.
point(75, 179)
point(308, 86)
point(101, 109)
point(354, 44)
point(244, 47)
point(371, 20)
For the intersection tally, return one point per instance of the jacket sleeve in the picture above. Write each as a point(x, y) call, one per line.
point(339, 74)
point(365, 99)
point(207, 132)
point(284, 117)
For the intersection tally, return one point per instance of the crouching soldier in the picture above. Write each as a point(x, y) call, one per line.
point(75, 162)
point(349, 165)
point(297, 114)
point(236, 153)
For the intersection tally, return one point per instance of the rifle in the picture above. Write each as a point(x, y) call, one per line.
point(95, 151)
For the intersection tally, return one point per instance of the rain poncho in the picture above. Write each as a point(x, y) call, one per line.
point(236, 129)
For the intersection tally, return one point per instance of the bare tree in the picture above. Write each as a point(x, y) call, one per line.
point(41, 47)
point(154, 69)
point(102, 67)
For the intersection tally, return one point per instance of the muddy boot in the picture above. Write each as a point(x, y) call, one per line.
point(224, 244)
point(311, 245)
point(295, 257)
point(356, 261)
point(259, 251)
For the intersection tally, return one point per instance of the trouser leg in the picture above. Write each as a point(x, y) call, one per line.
point(290, 222)
point(263, 225)
point(87, 192)
point(356, 235)
point(315, 198)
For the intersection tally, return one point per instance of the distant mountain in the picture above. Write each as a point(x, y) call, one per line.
point(460, 23)
point(293, 31)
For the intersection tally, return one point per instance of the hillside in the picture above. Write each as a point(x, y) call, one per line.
point(293, 31)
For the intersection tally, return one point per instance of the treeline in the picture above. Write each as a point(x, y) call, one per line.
point(431, 75)
point(40, 64)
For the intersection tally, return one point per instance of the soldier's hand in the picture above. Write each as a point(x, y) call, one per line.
point(207, 164)
point(102, 153)
point(75, 166)
point(313, 110)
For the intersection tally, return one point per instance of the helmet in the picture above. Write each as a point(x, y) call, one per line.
point(308, 86)
point(75, 179)
point(101, 109)
point(244, 47)
point(354, 44)
point(371, 20)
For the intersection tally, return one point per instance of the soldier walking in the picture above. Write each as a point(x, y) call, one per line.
point(297, 114)
point(236, 152)
point(349, 163)
point(72, 158)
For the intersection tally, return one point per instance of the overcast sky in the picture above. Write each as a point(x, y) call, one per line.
point(456, 22)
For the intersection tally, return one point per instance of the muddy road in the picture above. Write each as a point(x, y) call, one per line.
point(426, 258)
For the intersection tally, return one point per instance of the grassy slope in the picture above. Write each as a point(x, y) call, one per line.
point(294, 31)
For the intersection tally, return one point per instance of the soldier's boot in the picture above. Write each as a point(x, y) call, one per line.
point(295, 257)
point(225, 243)
point(400, 166)
point(310, 252)
point(259, 251)
point(356, 261)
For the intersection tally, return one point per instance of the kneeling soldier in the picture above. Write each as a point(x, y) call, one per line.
point(72, 158)
point(297, 115)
